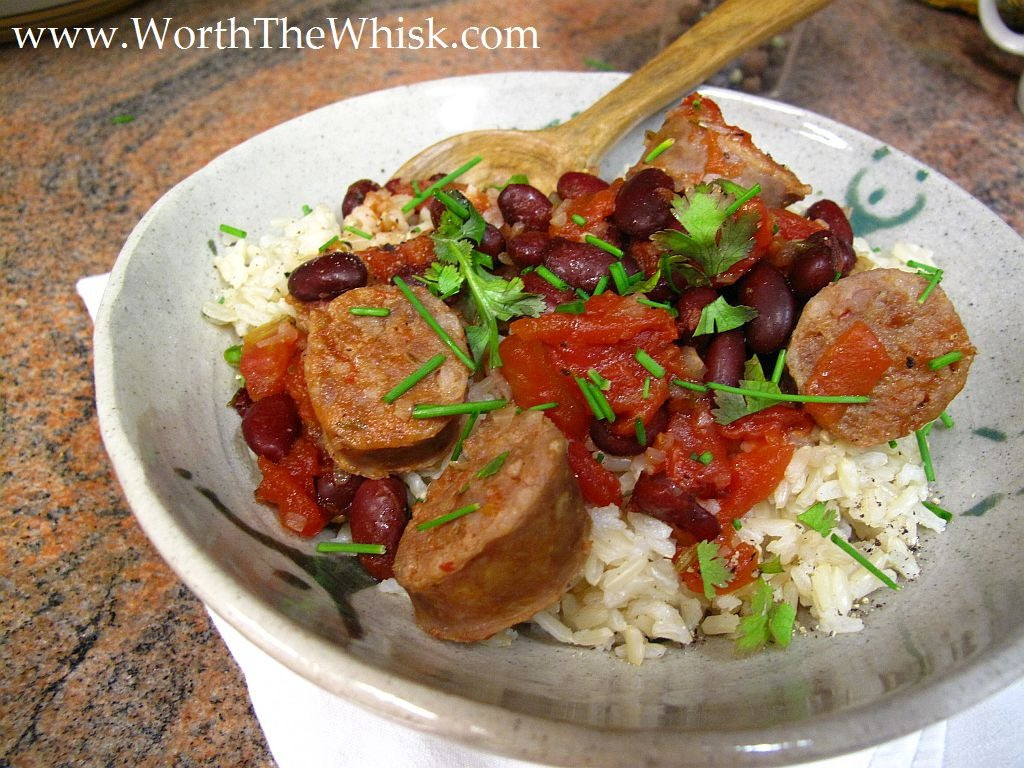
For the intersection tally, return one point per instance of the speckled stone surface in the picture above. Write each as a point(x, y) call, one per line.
point(106, 657)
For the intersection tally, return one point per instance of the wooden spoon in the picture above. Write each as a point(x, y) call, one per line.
point(580, 143)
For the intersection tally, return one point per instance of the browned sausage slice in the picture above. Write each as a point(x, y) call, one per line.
point(352, 361)
point(909, 393)
point(517, 553)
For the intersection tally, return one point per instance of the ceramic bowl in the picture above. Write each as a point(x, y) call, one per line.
point(948, 639)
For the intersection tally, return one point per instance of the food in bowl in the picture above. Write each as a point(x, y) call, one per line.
point(625, 411)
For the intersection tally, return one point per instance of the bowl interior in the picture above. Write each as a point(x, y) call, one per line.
point(942, 643)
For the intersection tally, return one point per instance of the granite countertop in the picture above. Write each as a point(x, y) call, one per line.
point(106, 656)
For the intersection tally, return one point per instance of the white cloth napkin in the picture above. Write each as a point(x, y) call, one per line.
point(306, 726)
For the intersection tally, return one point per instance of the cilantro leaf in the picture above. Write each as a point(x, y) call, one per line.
point(720, 315)
point(493, 299)
point(767, 621)
point(713, 239)
point(714, 572)
point(732, 406)
point(820, 518)
point(781, 621)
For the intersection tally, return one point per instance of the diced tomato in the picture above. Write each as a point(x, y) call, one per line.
point(387, 261)
point(289, 485)
point(608, 319)
point(779, 418)
point(598, 485)
point(692, 433)
point(755, 474)
point(594, 208)
point(852, 364)
point(267, 352)
point(791, 226)
point(740, 557)
point(534, 380)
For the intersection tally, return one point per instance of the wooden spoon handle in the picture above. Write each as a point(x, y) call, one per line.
point(729, 30)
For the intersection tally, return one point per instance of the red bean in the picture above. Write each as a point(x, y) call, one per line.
point(627, 445)
point(661, 497)
point(829, 212)
point(435, 208)
point(527, 249)
point(356, 194)
point(335, 491)
point(575, 184)
point(378, 515)
point(764, 289)
point(691, 302)
point(534, 283)
point(493, 242)
point(641, 205)
point(327, 276)
point(843, 256)
point(581, 265)
point(241, 401)
point(271, 425)
point(526, 204)
point(725, 357)
point(811, 271)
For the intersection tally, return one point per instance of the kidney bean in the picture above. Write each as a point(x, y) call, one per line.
point(528, 248)
point(725, 357)
point(691, 302)
point(526, 204)
point(356, 194)
point(271, 425)
point(378, 515)
point(843, 256)
point(661, 497)
point(811, 271)
point(641, 207)
point(493, 242)
point(335, 491)
point(829, 212)
point(435, 208)
point(764, 289)
point(327, 276)
point(534, 283)
point(627, 445)
point(241, 401)
point(575, 184)
point(581, 265)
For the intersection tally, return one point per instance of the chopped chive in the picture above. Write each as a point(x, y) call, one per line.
point(453, 515)
point(431, 411)
point(358, 232)
point(369, 311)
point(351, 547)
point(647, 388)
point(926, 454)
point(233, 355)
point(414, 378)
point(599, 381)
point(604, 66)
point(780, 364)
point(466, 429)
point(743, 197)
point(947, 420)
point(641, 432)
point(933, 280)
point(583, 294)
point(654, 153)
point(122, 119)
point(619, 276)
point(452, 204)
point(576, 307)
point(596, 400)
point(771, 566)
point(416, 187)
point(691, 385)
point(602, 285)
point(579, 219)
point(937, 510)
point(423, 312)
point(551, 277)
point(604, 405)
point(653, 367)
point(599, 458)
point(737, 523)
point(943, 360)
point(306, 210)
point(926, 268)
point(787, 398)
point(853, 552)
point(329, 243)
point(445, 180)
point(704, 458)
point(893, 444)
point(543, 406)
point(233, 231)
point(493, 466)
point(604, 245)
point(657, 305)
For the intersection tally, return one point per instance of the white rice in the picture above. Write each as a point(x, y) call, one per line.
point(628, 599)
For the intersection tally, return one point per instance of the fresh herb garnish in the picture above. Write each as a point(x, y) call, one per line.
point(937, 510)
point(713, 240)
point(733, 405)
point(439, 184)
point(493, 466)
point(819, 517)
point(431, 321)
point(652, 366)
point(233, 355)
point(431, 411)
point(369, 311)
point(576, 307)
point(926, 454)
point(771, 566)
point(329, 243)
point(466, 429)
point(578, 220)
point(442, 519)
point(720, 316)
point(767, 621)
point(351, 547)
point(656, 152)
point(414, 378)
point(227, 229)
point(857, 555)
point(943, 360)
point(550, 277)
point(358, 232)
point(122, 119)
point(714, 571)
point(604, 245)
point(641, 431)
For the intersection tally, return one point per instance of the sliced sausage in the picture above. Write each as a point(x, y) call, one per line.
point(352, 361)
point(908, 394)
point(517, 553)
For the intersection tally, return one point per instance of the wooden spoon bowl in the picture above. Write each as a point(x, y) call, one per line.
point(580, 143)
